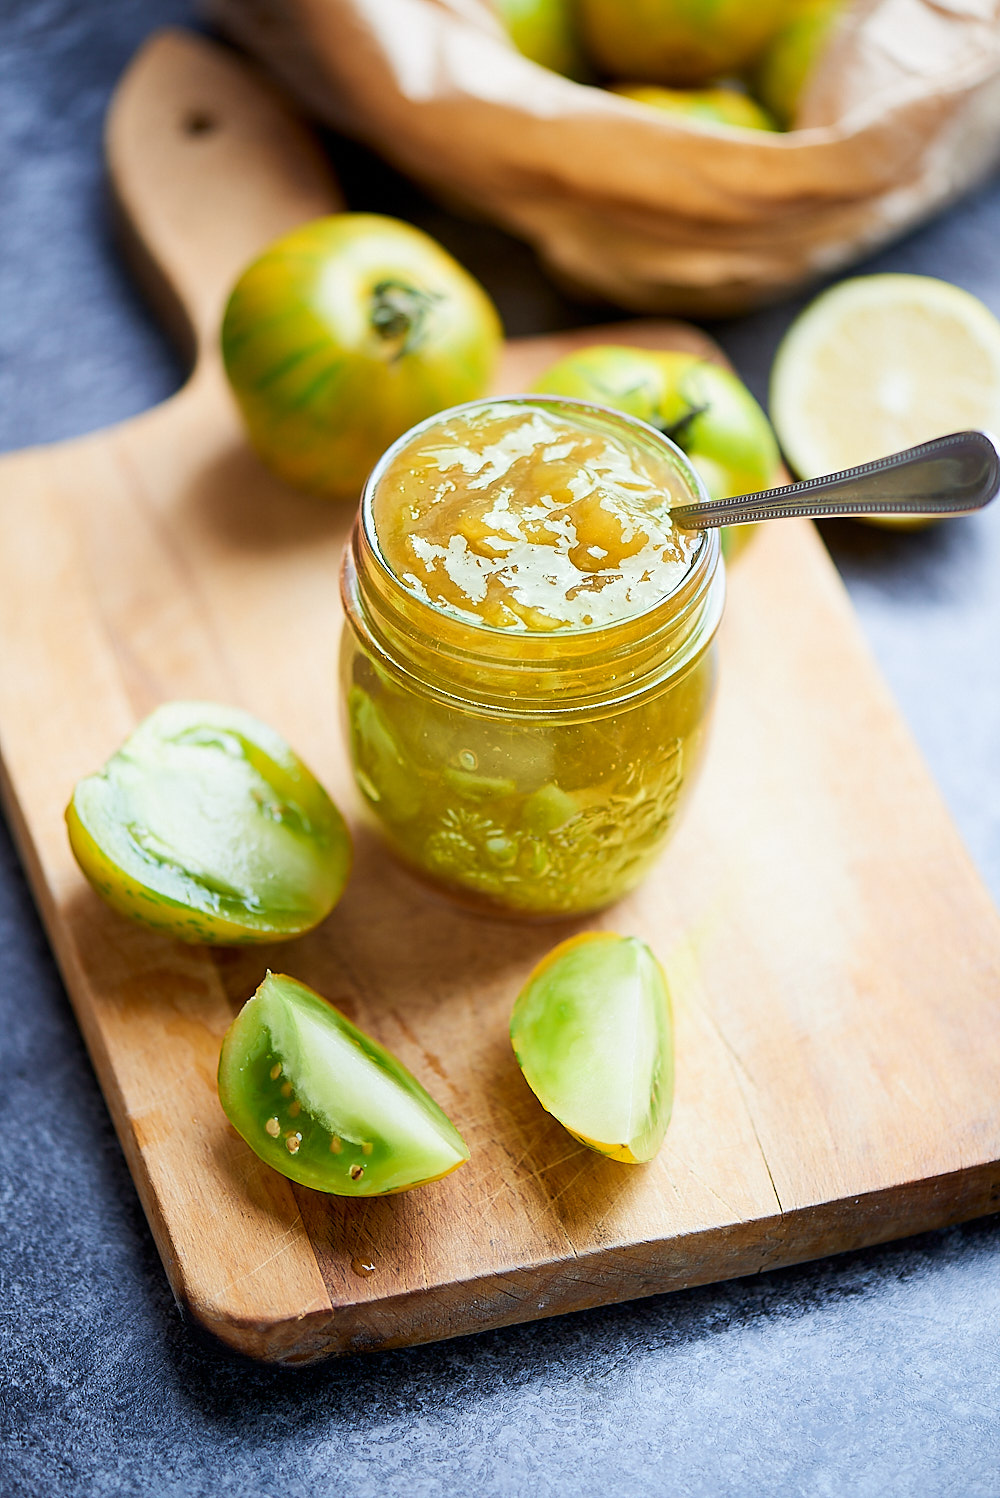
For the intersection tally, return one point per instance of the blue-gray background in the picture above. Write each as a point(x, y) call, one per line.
point(876, 1373)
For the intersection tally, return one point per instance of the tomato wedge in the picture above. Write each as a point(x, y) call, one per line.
point(592, 1033)
point(206, 826)
point(324, 1103)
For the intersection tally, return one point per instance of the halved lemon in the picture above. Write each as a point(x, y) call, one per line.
point(879, 363)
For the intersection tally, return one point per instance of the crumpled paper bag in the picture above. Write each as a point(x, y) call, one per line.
point(650, 211)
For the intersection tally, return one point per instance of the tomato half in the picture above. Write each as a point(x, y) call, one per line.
point(207, 827)
point(324, 1103)
point(704, 408)
point(343, 335)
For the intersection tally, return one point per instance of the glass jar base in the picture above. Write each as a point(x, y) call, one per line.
point(454, 896)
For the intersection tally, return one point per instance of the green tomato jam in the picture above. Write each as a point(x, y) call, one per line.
point(515, 517)
point(527, 664)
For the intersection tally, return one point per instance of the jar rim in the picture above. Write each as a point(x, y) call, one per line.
point(700, 552)
point(573, 699)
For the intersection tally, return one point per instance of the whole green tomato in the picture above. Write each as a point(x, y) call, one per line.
point(324, 1103)
point(681, 42)
point(344, 334)
point(545, 31)
point(792, 54)
point(206, 827)
point(704, 408)
point(720, 106)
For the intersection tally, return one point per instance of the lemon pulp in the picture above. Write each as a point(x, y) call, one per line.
point(880, 363)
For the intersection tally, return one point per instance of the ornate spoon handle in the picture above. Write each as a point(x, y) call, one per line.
point(949, 476)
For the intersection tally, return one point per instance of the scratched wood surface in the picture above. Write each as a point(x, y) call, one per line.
point(834, 960)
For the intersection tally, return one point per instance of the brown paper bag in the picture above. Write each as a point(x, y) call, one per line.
point(651, 211)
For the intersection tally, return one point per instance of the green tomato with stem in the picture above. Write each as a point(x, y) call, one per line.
point(324, 1103)
point(593, 1034)
point(342, 336)
point(701, 406)
point(207, 827)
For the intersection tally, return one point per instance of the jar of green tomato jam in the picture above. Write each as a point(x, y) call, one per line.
point(527, 660)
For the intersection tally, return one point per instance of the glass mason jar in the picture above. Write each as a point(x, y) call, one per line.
point(531, 773)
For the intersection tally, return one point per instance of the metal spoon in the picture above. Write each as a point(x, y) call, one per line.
point(949, 476)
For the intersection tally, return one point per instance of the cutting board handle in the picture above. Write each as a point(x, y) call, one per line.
point(207, 166)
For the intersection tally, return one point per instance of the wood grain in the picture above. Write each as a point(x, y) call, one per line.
point(834, 960)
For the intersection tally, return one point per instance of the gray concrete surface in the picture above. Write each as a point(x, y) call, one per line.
point(871, 1374)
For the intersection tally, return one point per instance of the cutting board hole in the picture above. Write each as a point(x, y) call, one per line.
point(199, 122)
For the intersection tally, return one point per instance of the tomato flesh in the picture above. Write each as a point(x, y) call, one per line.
point(206, 826)
point(593, 1035)
point(325, 1104)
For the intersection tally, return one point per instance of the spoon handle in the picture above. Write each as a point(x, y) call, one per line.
point(949, 476)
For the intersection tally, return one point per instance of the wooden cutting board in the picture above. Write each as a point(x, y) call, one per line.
point(834, 960)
